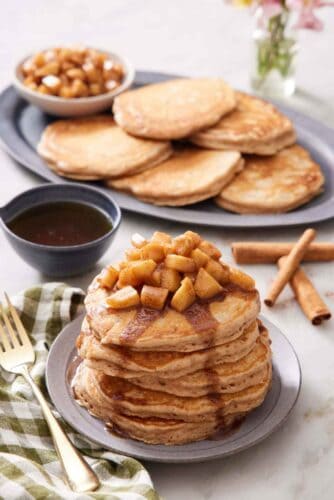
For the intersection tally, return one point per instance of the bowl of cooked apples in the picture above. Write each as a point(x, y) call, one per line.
point(72, 81)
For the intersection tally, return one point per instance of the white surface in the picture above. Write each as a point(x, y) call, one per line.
point(197, 37)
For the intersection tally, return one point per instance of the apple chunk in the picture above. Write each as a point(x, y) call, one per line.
point(184, 296)
point(206, 286)
point(210, 249)
point(108, 277)
point(125, 297)
point(241, 279)
point(170, 279)
point(200, 258)
point(136, 272)
point(218, 271)
point(138, 240)
point(180, 263)
point(154, 251)
point(153, 296)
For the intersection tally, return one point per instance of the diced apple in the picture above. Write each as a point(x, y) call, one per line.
point(108, 277)
point(136, 272)
point(162, 238)
point(206, 286)
point(241, 279)
point(170, 279)
point(154, 279)
point(133, 254)
point(138, 240)
point(154, 251)
point(184, 296)
point(127, 277)
point(183, 245)
point(218, 271)
point(210, 249)
point(153, 296)
point(143, 269)
point(194, 236)
point(200, 258)
point(180, 263)
point(125, 297)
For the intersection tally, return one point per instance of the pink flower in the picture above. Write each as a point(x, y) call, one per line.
point(308, 20)
point(271, 8)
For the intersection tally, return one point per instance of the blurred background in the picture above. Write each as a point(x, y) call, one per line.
point(186, 37)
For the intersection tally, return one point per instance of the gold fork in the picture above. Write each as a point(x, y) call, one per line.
point(16, 352)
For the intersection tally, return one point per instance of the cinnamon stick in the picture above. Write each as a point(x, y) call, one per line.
point(259, 252)
point(307, 296)
point(289, 266)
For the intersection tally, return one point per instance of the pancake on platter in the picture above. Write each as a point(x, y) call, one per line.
point(273, 184)
point(172, 350)
point(189, 176)
point(173, 109)
point(255, 126)
point(96, 148)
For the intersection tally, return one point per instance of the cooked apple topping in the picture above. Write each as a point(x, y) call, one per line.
point(166, 270)
point(72, 72)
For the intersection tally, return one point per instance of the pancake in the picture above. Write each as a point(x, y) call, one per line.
point(173, 109)
point(255, 126)
point(223, 378)
point(189, 176)
point(108, 394)
point(273, 184)
point(171, 347)
point(199, 327)
point(95, 148)
point(157, 430)
point(130, 364)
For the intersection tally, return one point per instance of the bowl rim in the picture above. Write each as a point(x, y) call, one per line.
point(64, 248)
point(126, 83)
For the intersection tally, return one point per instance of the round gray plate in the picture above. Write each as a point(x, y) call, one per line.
point(22, 124)
point(258, 425)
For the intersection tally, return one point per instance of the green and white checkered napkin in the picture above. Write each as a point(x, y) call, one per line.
point(29, 467)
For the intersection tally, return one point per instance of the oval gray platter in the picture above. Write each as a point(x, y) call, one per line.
point(257, 426)
point(22, 124)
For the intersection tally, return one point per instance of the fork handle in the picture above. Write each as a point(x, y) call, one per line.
point(80, 476)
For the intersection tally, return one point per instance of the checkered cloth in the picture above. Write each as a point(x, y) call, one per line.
point(29, 467)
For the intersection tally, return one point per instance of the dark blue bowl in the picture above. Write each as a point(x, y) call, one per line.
point(61, 261)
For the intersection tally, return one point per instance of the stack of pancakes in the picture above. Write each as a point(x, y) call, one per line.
point(179, 370)
point(186, 140)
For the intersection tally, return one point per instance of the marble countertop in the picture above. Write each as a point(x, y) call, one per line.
point(203, 38)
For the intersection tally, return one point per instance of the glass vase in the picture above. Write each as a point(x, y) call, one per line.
point(274, 54)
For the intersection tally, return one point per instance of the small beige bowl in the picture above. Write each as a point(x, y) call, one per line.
point(79, 106)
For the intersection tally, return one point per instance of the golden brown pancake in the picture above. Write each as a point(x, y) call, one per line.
point(171, 347)
point(173, 109)
point(95, 148)
point(189, 176)
point(199, 327)
point(115, 394)
point(128, 363)
point(273, 184)
point(255, 126)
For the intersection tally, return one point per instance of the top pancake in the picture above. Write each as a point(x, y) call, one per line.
point(255, 126)
point(189, 176)
point(198, 327)
point(96, 147)
point(273, 184)
point(173, 109)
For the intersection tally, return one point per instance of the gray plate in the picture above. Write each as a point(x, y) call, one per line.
point(22, 124)
point(258, 425)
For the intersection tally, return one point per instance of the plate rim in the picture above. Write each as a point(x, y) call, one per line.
point(20, 150)
point(143, 452)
